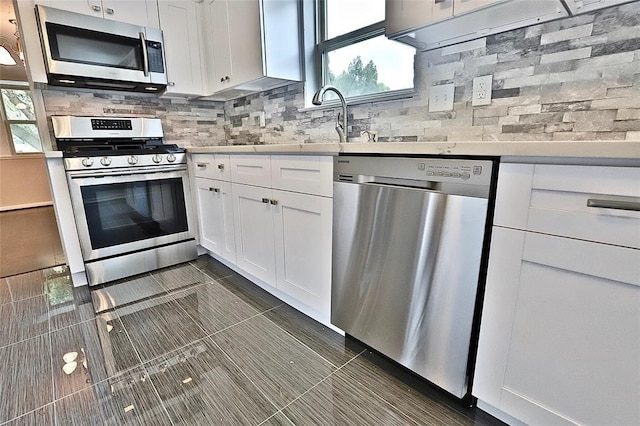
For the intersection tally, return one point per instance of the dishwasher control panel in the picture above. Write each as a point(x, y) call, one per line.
point(467, 171)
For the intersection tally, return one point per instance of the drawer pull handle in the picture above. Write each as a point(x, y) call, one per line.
point(631, 205)
point(273, 202)
point(201, 165)
point(265, 200)
point(220, 166)
point(214, 189)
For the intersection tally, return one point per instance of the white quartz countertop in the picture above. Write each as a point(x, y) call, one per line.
point(574, 149)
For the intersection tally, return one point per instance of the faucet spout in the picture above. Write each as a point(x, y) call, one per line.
point(341, 126)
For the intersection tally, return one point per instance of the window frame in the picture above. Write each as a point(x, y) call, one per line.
point(8, 122)
point(322, 46)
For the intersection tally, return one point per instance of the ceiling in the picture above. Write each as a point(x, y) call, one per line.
point(16, 72)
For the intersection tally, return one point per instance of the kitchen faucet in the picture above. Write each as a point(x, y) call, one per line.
point(341, 125)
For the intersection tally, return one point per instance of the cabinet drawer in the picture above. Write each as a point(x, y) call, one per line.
point(211, 166)
point(251, 170)
point(587, 202)
point(305, 174)
point(554, 199)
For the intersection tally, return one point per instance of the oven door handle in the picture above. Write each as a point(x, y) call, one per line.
point(141, 171)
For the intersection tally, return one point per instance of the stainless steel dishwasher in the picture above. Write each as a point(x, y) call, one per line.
point(408, 237)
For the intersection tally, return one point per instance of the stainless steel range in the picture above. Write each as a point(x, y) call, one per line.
point(130, 195)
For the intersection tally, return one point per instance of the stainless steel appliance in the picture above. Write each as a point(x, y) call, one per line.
point(87, 51)
point(408, 239)
point(130, 195)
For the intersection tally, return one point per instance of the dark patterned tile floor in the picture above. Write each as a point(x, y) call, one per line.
point(193, 344)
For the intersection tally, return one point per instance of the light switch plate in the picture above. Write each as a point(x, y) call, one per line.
point(482, 90)
point(441, 97)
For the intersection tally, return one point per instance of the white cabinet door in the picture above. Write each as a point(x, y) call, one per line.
point(405, 15)
point(215, 217)
point(217, 45)
point(560, 335)
point(464, 6)
point(136, 12)
point(582, 6)
point(179, 21)
point(87, 7)
point(245, 41)
point(254, 233)
point(303, 248)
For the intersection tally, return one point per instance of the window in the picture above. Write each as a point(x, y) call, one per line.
point(19, 115)
point(355, 55)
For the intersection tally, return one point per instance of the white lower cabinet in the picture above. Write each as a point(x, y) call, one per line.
point(560, 331)
point(284, 239)
point(302, 226)
point(215, 217)
point(270, 216)
point(254, 231)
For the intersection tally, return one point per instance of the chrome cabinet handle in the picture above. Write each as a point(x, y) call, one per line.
point(273, 202)
point(96, 8)
point(171, 83)
point(220, 166)
point(631, 204)
point(109, 11)
point(265, 200)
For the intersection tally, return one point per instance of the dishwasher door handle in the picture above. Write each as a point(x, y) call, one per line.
point(425, 185)
point(621, 203)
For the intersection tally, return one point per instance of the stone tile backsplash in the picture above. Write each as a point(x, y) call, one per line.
point(576, 78)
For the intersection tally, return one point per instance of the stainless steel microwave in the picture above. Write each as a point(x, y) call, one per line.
point(91, 52)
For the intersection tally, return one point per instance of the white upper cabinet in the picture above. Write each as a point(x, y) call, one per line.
point(429, 24)
point(219, 47)
point(250, 45)
point(136, 12)
point(179, 21)
point(582, 6)
point(464, 6)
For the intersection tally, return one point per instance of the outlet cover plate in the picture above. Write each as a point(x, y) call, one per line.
point(441, 97)
point(482, 90)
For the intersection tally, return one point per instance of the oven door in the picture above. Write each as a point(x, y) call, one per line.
point(125, 211)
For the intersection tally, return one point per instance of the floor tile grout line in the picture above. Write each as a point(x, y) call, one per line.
point(207, 335)
point(205, 273)
point(316, 385)
point(24, 340)
point(53, 380)
point(297, 339)
point(271, 401)
point(29, 412)
point(259, 313)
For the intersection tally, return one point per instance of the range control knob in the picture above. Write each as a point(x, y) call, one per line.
point(87, 162)
point(156, 158)
point(171, 158)
point(132, 160)
point(105, 161)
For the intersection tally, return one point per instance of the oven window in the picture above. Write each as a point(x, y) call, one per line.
point(120, 213)
point(95, 48)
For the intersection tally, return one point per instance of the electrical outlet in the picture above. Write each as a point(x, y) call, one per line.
point(441, 97)
point(482, 90)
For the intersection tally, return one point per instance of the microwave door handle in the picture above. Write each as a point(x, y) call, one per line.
point(145, 55)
